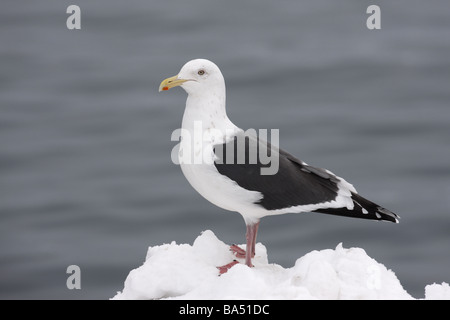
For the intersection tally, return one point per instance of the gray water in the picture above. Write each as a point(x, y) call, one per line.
point(85, 170)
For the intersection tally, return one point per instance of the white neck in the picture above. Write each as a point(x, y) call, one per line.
point(207, 109)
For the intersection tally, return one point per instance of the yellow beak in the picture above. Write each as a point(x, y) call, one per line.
point(171, 83)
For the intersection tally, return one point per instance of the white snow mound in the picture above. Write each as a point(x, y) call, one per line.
point(182, 271)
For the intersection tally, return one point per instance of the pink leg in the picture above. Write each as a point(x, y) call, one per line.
point(254, 239)
point(241, 253)
point(252, 231)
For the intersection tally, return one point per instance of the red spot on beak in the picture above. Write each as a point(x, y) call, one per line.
point(165, 88)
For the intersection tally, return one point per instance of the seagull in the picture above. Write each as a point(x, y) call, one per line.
point(225, 164)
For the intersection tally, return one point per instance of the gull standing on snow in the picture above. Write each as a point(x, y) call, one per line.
point(225, 165)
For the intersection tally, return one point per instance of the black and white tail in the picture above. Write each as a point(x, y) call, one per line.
point(363, 209)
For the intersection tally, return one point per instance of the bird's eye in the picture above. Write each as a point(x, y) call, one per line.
point(201, 72)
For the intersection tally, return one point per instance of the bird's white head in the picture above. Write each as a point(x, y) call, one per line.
point(196, 77)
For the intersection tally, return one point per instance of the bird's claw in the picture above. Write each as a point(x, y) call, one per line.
point(225, 268)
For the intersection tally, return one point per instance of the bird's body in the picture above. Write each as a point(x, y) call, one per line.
point(225, 165)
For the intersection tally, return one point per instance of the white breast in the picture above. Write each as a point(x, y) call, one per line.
point(197, 163)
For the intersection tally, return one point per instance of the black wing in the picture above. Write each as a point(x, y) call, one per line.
point(294, 184)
